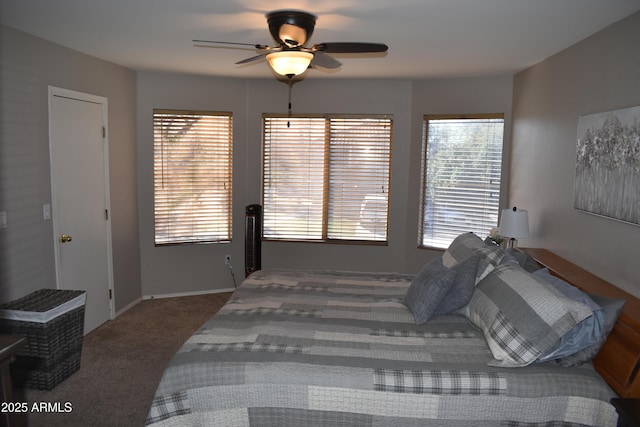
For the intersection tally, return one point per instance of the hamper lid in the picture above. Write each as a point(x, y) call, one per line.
point(43, 305)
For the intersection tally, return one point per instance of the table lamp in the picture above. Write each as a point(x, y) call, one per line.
point(514, 224)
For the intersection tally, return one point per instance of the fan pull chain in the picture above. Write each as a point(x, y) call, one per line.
point(290, 76)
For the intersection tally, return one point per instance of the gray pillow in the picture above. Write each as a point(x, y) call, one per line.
point(520, 315)
point(612, 308)
point(460, 292)
point(584, 334)
point(461, 248)
point(428, 289)
point(525, 261)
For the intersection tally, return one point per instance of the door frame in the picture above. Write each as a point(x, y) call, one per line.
point(85, 97)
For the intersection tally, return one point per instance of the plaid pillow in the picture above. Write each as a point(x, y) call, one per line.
point(490, 258)
point(461, 248)
point(521, 316)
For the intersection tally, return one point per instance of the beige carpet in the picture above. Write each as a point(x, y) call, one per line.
point(122, 362)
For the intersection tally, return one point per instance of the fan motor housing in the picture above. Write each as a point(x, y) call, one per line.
point(285, 27)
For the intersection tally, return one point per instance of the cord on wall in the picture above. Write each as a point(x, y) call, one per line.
point(233, 276)
point(227, 262)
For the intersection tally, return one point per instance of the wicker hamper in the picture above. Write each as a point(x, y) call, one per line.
point(53, 322)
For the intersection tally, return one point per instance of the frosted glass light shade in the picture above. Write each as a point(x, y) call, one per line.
point(289, 63)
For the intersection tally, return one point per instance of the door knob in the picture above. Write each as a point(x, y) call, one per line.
point(65, 238)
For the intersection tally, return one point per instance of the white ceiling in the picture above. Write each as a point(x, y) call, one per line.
point(426, 38)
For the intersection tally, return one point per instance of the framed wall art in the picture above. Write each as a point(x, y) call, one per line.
point(607, 178)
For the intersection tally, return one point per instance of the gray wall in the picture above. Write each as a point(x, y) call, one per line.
point(189, 268)
point(601, 73)
point(195, 268)
point(28, 66)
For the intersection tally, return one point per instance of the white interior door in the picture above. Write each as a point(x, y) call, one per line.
point(80, 199)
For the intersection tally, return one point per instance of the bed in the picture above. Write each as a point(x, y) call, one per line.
point(305, 348)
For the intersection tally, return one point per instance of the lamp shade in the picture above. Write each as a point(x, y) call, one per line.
point(514, 223)
point(289, 62)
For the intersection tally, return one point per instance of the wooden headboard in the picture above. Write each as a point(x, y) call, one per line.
point(619, 360)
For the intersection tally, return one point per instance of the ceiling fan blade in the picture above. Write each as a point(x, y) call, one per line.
point(210, 42)
point(252, 59)
point(347, 47)
point(324, 61)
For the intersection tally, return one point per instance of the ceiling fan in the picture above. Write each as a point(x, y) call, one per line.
point(291, 30)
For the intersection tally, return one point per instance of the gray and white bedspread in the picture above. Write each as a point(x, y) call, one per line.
point(295, 348)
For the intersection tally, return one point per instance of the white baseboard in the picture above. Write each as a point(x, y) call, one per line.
point(181, 294)
point(127, 307)
point(188, 294)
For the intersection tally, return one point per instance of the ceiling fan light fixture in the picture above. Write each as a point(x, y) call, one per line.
point(289, 62)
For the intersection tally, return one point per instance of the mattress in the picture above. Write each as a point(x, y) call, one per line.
point(306, 348)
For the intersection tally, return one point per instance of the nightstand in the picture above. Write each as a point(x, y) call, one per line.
point(9, 346)
point(628, 411)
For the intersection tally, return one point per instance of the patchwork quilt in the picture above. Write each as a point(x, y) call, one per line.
point(294, 348)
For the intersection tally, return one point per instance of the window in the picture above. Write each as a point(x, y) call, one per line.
point(326, 178)
point(192, 154)
point(461, 168)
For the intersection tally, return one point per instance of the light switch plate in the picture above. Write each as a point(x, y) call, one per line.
point(3, 219)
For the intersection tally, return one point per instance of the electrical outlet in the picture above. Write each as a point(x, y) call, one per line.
point(227, 260)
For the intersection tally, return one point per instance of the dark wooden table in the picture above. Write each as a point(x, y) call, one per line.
point(628, 411)
point(9, 346)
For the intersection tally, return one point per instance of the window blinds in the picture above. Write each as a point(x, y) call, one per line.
point(326, 178)
point(192, 176)
point(461, 173)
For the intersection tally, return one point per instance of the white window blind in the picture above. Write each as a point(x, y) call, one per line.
point(192, 166)
point(461, 173)
point(326, 178)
